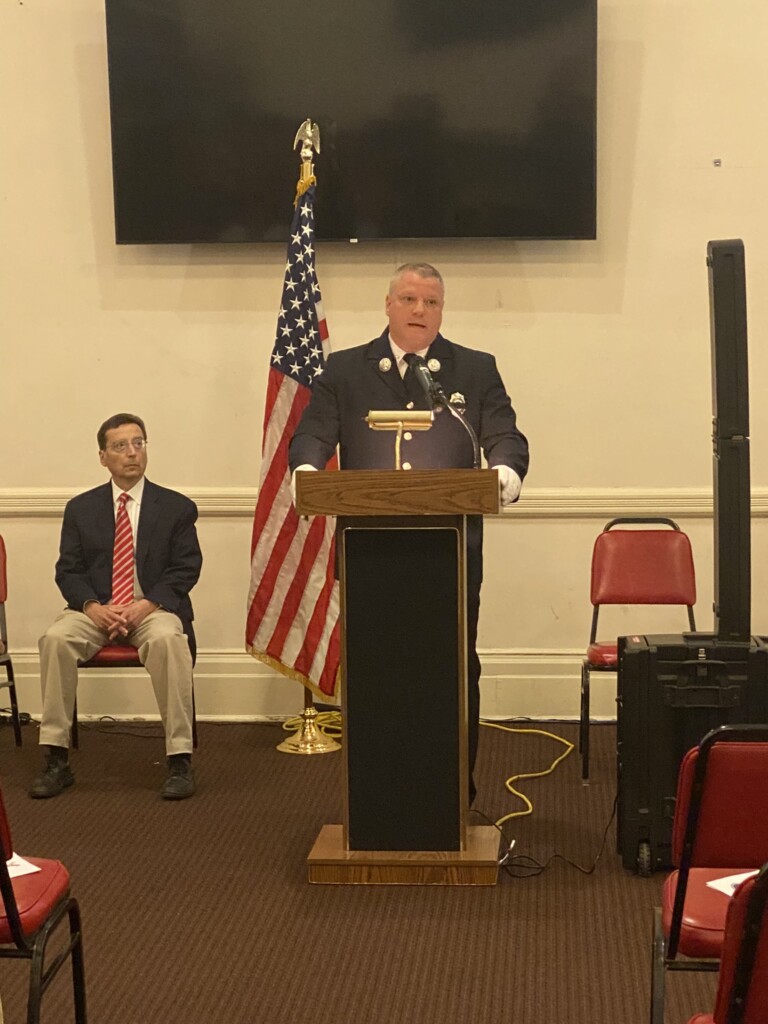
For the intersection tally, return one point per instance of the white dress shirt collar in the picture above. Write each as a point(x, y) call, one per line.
point(400, 355)
point(136, 492)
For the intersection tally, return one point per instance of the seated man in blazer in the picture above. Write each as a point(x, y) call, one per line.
point(128, 558)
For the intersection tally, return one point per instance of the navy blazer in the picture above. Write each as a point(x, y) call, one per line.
point(354, 382)
point(168, 556)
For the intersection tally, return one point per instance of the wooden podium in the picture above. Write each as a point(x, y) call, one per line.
point(401, 548)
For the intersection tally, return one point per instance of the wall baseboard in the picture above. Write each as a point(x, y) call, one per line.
point(232, 686)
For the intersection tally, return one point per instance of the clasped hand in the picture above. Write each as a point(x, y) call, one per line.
point(119, 620)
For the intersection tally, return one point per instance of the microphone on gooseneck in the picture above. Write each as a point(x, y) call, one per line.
point(432, 388)
point(437, 396)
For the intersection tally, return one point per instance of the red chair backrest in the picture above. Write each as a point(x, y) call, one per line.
point(732, 829)
point(643, 567)
point(3, 577)
point(755, 1009)
point(6, 840)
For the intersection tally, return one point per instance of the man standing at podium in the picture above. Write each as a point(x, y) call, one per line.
point(378, 375)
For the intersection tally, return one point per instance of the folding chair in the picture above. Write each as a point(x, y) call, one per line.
point(33, 906)
point(720, 828)
point(650, 567)
point(5, 659)
point(742, 988)
point(126, 656)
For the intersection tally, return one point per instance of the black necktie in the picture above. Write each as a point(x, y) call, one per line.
point(412, 386)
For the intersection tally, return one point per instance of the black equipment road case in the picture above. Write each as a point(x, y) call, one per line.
point(672, 690)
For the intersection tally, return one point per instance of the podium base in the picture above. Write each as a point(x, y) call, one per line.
point(330, 864)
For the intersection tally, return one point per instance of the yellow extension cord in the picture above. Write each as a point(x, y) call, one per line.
point(329, 723)
point(528, 775)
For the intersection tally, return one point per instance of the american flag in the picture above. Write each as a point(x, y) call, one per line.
point(293, 603)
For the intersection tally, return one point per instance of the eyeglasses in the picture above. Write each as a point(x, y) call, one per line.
point(138, 444)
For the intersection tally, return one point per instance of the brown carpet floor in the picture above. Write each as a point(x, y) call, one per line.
point(201, 911)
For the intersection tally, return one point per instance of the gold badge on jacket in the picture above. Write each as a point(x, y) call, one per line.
point(385, 365)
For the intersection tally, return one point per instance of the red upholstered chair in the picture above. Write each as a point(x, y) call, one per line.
point(720, 828)
point(32, 908)
point(124, 656)
point(9, 682)
point(633, 567)
point(742, 989)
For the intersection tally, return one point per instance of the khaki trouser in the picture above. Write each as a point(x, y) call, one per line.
point(163, 650)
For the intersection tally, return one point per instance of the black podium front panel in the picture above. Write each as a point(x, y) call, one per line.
point(404, 682)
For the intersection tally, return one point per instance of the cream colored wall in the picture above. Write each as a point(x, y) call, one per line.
point(604, 345)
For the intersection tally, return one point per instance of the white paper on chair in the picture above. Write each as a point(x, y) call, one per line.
point(17, 866)
point(729, 883)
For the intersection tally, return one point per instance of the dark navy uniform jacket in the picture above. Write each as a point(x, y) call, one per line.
point(353, 383)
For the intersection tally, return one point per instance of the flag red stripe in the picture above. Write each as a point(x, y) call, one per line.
point(330, 669)
point(295, 590)
point(270, 578)
point(317, 624)
point(274, 477)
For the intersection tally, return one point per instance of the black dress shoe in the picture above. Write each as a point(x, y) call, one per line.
point(180, 782)
point(57, 775)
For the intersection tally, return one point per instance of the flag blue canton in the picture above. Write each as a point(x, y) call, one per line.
point(298, 350)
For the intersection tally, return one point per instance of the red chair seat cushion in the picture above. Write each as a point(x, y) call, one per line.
point(114, 656)
point(36, 896)
point(703, 924)
point(603, 655)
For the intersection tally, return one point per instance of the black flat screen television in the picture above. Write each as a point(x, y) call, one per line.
point(438, 119)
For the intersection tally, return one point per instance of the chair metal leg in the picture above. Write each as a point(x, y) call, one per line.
point(14, 702)
point(74, 735)
point(584, 722)
point(194, 721)
point(78, 963)
point(658, 969)
point(41, 974)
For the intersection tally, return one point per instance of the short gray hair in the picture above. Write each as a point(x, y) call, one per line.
point(420, 269)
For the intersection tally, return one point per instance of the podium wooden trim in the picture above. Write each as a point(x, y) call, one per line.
point(401, 550)
point(415, 492)
point(330, 863)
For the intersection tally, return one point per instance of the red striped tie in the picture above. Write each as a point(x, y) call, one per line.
point(122, 560)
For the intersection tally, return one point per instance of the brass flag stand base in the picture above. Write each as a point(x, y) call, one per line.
point(308, 739)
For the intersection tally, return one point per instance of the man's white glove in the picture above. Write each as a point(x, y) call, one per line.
point(510, 484)
point(301, 469)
